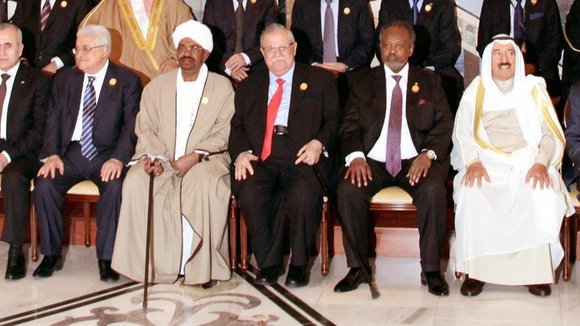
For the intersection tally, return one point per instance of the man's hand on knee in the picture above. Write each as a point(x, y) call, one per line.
point(538, 173)
point(419, 168)
point(50, 166)
point(111, 170)
point(359, 172)
point(243, 165)
point(475, 172)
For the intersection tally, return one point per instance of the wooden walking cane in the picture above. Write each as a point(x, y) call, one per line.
point(372, 286)
point(148, 235)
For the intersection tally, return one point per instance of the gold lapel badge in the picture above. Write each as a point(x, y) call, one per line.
point(113, 81)
point(534, 2)
point(346, 11)
point(63, 4)
point(253, 2)
point(204, 100)
point(428, 7)
point(303, 86)
point(415, 88)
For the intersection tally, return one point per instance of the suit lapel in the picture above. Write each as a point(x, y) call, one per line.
point(18, 91)
point(378, 103)
point(109, 83)
point(59, 5)
point(317, 21)
point(412, 97)
point(260, 88)
point(75, 104)
point(299, 88)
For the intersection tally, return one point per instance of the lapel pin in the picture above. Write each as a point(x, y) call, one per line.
point(303, 86)
point(534, 2)
point(22, 82)
point(253, 2)
point(415, 89)
point(205, 100)
point(63, 4)
point(346, 11)
point(428, 7)
point(113, 81)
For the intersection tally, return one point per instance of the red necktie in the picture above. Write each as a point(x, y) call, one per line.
point(270, 119)
point(393, 162)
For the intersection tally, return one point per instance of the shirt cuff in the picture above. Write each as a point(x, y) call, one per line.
point(228, 71)
point(350, 157)
point(7, 156)
point(59, 64)
point(246, 59)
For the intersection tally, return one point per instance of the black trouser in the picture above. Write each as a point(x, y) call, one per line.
point(429, 195)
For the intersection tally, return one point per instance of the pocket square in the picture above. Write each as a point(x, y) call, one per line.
point(536, 15)
point(422, 101)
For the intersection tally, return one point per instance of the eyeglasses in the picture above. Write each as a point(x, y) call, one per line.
point(85, 49)
point(281, 48)
point(196, 49)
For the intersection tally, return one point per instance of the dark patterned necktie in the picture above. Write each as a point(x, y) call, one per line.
point(415, 11)
point(393, 159)
point(88, 149)
point(44, 13)
point(519, 21)
point(239, 26)
point(329, 47)
point(3, 92)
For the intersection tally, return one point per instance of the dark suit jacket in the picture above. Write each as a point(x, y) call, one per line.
point(220, 17)
point(428, 115)
point(313, 114)
point(571, 66)
point(356, 40)
point(26, 116)
point(543, 30)
point(573, 126)
point(59, 35)
point(114, 124)
point(438, 40)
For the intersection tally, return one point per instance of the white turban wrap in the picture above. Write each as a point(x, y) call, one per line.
point(195, 31)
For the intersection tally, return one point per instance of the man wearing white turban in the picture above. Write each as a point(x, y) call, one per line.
point(509, 195)
point(184, 123)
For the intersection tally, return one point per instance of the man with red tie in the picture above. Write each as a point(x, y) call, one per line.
point(285, 122)
point(396, 133)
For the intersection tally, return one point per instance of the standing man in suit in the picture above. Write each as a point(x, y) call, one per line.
point(535, 26)
point(438, 42)
point(236, 31)
point(285, 122)
point(49, 29)
point(24, 95)
point(91, 136)
point(571, 64)
point(396, 131)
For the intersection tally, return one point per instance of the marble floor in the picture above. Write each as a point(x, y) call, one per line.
point(75, 296)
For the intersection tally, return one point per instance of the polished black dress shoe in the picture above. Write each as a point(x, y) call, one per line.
point(268, 275)
point(353, 279)
point(16, 267)
point(106, 273)
point(541, 290)
point(435, 282)
point(471, 287)
point(209, 284)
point(297, 276)
point(49, 265)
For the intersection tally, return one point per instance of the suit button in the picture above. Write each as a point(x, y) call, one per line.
point(39, 57)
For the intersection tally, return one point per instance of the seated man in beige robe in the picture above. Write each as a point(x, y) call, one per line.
point(141, 32)
point(509, 195)
point(184, 123)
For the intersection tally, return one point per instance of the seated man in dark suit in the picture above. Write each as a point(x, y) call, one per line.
point(237, 53)
point(396, 131)
point(91, 136)
point(24, 95)
point(534, 24)
point(49, 29)
point(285, 119)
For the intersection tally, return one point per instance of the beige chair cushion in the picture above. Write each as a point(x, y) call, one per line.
point(84, 188)
point(392, 195)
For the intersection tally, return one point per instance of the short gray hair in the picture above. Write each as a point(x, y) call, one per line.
point(273, 28)
point(4, 26)
point(100, 33)
point(402, 24)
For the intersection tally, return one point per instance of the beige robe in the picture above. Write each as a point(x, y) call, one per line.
point(201, 195)
point(129, 47)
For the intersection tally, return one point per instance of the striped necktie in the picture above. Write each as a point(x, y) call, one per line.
point(44, 13)
point(88, 149)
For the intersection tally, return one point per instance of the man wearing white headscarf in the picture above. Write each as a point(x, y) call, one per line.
point(509, 195)
point(184, 123)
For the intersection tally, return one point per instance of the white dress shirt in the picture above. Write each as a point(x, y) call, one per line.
point(284, 109)
point(97, 84)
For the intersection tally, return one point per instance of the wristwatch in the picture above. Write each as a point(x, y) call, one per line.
point(430, 154)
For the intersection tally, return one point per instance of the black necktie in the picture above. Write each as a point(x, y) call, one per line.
point(518, 21)
point(239, 26)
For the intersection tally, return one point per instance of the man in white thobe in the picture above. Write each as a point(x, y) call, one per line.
point(184, 122)
point(509, 195)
